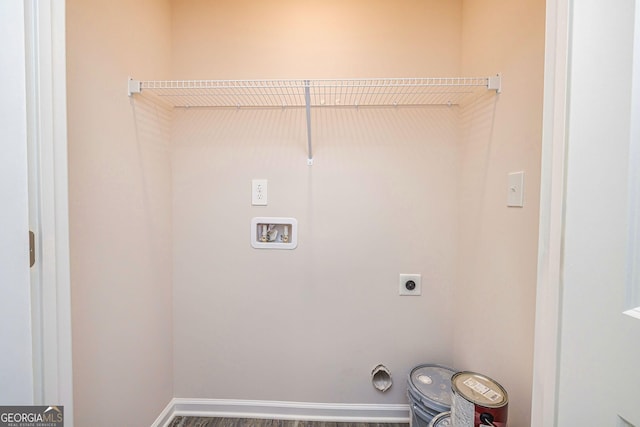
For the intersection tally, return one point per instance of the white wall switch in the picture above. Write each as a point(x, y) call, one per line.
point(515, 189)
point(259, 192)
point(410, 284)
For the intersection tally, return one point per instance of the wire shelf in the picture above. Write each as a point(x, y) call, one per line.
point(320, 93)
point(316, 93)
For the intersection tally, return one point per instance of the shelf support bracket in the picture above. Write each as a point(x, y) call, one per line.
point(307, 101)
point(133, 86)
point(495, 83)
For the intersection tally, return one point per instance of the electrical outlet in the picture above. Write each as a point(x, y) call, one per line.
point(259, 192)
point(410, 285)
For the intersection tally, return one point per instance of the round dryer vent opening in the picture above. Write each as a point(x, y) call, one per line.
point(381, 378)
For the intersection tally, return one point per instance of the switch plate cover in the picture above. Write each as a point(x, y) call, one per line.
point(515, 189)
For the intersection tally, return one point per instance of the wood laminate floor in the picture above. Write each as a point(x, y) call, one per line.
point(253, 422)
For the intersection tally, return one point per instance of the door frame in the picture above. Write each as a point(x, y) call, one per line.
point(547, 345)
point(633, 256)
point(47, 124)
point(16, 356)
point(55, 212)
point(552, 194)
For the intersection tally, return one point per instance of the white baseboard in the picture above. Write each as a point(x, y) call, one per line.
point(165, 416)
point(335, 412)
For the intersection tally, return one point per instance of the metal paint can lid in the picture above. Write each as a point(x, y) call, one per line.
point(433, 384)
point(443, 419)
point(479, 389)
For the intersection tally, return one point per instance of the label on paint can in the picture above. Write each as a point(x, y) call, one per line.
point(476, 386)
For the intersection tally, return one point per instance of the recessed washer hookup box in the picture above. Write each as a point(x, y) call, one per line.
point(274, 233)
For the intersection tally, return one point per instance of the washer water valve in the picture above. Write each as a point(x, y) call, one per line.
point(274, 233)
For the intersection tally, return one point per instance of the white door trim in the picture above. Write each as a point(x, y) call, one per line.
point(48, 127)
point(548, 294)
point(16, 369)
point(633, 258)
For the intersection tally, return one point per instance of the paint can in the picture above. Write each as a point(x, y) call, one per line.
point(430, 386)
point(443, 419)
point(478, 401)
point(420, 417)
point(429, 392)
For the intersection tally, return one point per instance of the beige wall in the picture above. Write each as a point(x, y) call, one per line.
point(495, 291)
point(119, 195)
point(310, 324)
point(250, 39)
point(160, 236)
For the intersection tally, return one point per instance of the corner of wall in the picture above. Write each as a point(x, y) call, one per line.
point(498, 245)
point(119, 212)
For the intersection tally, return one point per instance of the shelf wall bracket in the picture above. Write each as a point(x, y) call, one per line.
point(307, 102)
point(495, 83)
point(133, 86)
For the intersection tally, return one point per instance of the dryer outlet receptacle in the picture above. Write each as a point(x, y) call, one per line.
point(410, 285)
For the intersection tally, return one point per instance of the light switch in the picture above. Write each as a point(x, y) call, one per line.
point(515, 189)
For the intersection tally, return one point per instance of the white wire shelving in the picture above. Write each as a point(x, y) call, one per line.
point(316, 93)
